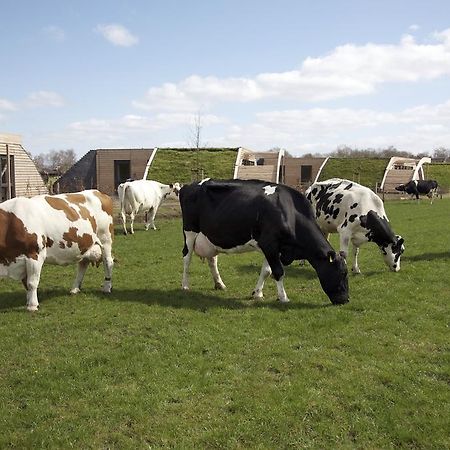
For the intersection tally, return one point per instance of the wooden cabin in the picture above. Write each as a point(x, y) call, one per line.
point(251, 165)
point(105, 169)
point(401, 170)
point(275, 166)
point(19, 174)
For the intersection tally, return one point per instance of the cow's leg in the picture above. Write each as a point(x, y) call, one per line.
point(355, 267)
point(188, 249)
point(124, 221)
point(344, 242)
point(82, 266)
point(132, 215)
point(273, 259)
point(108, 263)
point(150, 219)
point(218, 283)
point(265, 272)
point(33, 269)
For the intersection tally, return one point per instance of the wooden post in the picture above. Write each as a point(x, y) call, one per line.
point(8, 174)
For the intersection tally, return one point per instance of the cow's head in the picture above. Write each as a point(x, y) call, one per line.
point(332, 272)
point(401, 188)
point(392, 253)
point(175, 188)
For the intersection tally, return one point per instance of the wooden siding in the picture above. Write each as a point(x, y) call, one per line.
point(266, 172)
point(105, 165)
point(27, 180)
point(292, 170)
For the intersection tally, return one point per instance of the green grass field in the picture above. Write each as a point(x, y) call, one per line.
point(151, 366)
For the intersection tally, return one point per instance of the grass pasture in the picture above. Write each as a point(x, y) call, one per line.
point(151, 366)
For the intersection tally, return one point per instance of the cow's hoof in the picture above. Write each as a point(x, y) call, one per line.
point(283, 301)
point(32, 308)
point(75, 291)
point(356, 272)
point(219, 287)
point(184, 288)
point(258, 295)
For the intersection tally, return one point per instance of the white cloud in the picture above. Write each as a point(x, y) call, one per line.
point(348, 70)
point(6, 105)
point(55, 33)
point(417, 129)
point(132, 123)
point(117, 35)
point(41, 99)
point(414, 27)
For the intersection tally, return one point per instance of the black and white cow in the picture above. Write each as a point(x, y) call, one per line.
point(357, 214)
point(420, 187)
point(228, 216)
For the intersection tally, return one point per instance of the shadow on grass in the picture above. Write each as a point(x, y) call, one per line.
point(198, 301)
point(16, 299)
point(295, 270)
point(175, 298)
point(427, 256)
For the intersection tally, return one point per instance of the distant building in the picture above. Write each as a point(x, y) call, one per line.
point(277, 167)
point(19, 175)
point(105, 169)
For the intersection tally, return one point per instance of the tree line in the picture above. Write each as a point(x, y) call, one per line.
point(439, 154)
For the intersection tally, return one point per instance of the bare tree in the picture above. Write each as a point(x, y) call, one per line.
point(195, 142)
point(56, 161)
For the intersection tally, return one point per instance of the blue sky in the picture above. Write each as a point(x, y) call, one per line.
point(306, 76)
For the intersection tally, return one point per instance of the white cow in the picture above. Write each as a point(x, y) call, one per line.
point(143, 195)
point(58, 229)
point(358, 215)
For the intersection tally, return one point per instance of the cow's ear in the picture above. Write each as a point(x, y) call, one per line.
point(171, 185)
point(400, 240)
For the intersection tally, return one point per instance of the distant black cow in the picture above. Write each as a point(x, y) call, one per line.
point(235, 216)
point(420, 187)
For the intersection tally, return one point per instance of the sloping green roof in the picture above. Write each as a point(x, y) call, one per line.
point(366, 171)
point(181, 164)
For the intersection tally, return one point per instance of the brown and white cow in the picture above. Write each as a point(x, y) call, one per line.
point(58, 229)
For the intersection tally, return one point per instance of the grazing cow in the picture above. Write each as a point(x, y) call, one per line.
point(60, 229)
point(235, 216)
point(357, 214)
point(420, 187)
point(143, 195)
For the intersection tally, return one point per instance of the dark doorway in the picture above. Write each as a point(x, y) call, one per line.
point(121, 172)
point(305, 174)
point(4, 182)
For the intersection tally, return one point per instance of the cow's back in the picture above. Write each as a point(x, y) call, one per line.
point(338, 201)
point(67, 226)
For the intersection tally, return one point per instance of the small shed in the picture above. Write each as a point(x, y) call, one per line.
point(300, 172)
point(277, 167)
point(267, 166)
point(104, 169)
point(19, 175)
point(401, 170)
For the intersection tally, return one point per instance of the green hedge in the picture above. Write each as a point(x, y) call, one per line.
point(438, 172)
point(366, 171)
point(172, 165)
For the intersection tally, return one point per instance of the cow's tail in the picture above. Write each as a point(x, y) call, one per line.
point(129, 202)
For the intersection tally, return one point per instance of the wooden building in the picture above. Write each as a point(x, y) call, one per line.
point(19, 175)
point(105, 169)
point(251, 165)
point(276, 167)
point(400, 171)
